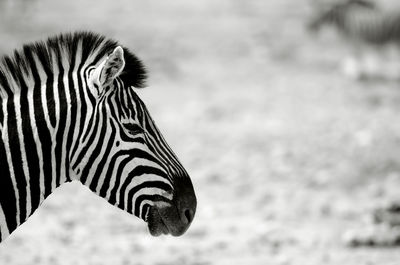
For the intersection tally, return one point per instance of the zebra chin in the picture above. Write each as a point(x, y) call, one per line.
point(166, 220)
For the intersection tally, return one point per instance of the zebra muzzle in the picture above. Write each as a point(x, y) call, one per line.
point(168, 220)
point(173, 218)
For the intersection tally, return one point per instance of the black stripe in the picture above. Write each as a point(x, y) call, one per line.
point(151, 145)
point(8, 200)
point(29, 141)
point(103, 161)
point(51, 104)
point(73, 108)
point(61, 123)
point(138, 153)
point(1, 112)
point(141, 198)
point(44, 59)
point(148, 184)
point(107, 49)
point(16, 158)
point(90, 143)
point(4, 84)
point(125, 137)
point(83, 107)
point(108, 176)
point(119, 99)
point(138, 171)
point(92, 123)
point(139, 105)
point(44, 132)
point(31, 152)
point(125, 99)
point(146, 208)
point(165, 153)
point(130, 101)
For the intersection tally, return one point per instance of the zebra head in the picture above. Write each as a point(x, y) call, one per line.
point(334, 12)
point(126, 159)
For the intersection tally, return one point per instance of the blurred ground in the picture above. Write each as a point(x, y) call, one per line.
point(286, 154)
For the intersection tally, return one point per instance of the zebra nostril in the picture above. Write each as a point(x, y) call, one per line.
point(189, 215)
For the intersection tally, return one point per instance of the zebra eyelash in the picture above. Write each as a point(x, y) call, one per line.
point(133, 129)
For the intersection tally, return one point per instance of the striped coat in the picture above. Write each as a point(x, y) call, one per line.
point(69, 111)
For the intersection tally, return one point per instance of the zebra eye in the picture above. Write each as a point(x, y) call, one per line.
point(133, 129)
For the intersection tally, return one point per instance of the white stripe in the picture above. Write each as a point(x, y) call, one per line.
point(110, 156)
point(56, 73)
point(9, 161)
point(64, 153)
point(113, 177)
point(75, 76)
point(3, 225)
point(129, 167)
point(159, 204)
point(35, 131)
point(103, 142)
point(24, 161)
point(93, 145)
point(43, 78)
point(88, 116)
point(150, 191)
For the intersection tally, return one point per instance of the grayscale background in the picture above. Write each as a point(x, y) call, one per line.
point(288, 156)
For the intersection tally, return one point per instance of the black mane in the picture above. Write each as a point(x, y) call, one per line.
point(134, 73)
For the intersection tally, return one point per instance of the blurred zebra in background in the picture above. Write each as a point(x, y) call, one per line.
point(366, 27)
point(69, 111)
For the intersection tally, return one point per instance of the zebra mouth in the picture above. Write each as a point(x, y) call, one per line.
point(155, 223)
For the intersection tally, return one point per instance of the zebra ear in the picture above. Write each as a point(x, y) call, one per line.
point(112, 67)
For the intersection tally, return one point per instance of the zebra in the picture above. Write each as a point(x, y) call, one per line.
point(367, 28)
point(70, 112)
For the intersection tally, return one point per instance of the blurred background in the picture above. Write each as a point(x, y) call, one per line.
point(293, 161)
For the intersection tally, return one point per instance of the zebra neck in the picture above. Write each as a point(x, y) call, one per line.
point(38, 128)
